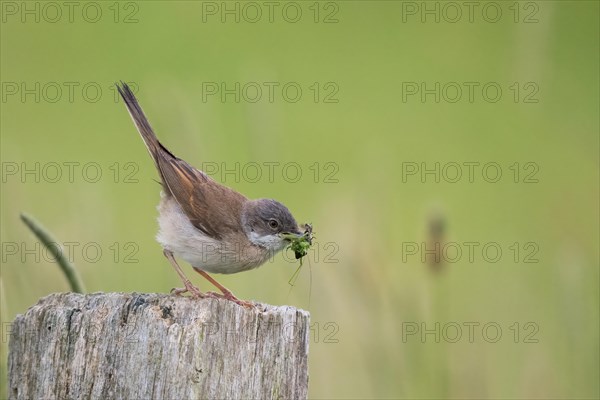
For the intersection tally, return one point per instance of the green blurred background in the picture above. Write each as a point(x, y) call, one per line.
point(366, 290)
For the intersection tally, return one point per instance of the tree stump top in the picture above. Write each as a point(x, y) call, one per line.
point(152, 346)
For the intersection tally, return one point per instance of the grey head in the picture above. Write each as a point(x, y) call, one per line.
point(265, 221)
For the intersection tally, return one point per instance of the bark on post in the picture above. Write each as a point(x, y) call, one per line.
point(156, 346)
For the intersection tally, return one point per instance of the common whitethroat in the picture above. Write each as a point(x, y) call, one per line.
point(207, 224)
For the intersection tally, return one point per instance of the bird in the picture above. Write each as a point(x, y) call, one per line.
point(205, 223)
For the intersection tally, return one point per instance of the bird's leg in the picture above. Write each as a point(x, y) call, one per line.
point(227, 294)
point(193, 290)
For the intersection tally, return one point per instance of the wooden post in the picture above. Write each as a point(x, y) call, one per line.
point(156, 346)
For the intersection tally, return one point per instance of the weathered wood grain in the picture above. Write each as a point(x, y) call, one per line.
point(156, 346)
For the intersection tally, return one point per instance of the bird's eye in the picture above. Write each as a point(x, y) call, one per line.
point(273, 224)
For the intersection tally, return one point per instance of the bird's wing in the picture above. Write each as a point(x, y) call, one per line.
point(211, 207)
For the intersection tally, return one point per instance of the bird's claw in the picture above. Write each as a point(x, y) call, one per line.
point(191, 289)
point(229, 296)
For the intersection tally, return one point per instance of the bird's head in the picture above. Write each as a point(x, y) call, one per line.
point(269, 224)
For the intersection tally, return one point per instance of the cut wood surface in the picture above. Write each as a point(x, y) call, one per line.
point(157, 346)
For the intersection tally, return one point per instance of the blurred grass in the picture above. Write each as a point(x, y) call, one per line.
point(370, 292)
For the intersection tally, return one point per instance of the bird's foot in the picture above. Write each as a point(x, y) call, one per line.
point(189, 288)
point(227, 295)
point(214, 295)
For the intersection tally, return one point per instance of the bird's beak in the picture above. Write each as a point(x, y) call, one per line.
point(292, 235)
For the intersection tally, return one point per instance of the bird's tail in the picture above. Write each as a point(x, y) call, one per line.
point(141, 123)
